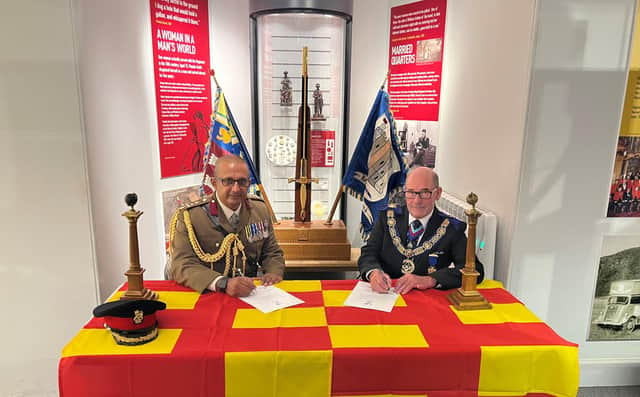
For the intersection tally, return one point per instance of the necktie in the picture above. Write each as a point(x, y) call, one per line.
point(415, 232)
point(234, 220)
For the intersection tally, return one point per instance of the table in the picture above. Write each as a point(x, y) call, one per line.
point(215, 345)
point(301, 265)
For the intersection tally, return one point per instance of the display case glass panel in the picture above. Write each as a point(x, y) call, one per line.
point(280, 39)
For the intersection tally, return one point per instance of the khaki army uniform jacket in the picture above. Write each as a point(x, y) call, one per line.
point(211, 227)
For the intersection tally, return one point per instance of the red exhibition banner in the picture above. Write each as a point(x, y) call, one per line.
point(180, 36)
point(416, 45)
point(323, 148)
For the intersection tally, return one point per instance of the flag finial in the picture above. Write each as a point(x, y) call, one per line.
point(213, 75)
point(385, 80)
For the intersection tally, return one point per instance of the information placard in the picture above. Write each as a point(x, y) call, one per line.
point(416, 45)
point(180, 36)
point(323, 148)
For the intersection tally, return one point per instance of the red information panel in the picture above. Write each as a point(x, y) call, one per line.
point(180, 36)
point(415, 59)
point(323, 148)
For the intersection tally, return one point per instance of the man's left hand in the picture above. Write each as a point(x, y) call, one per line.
point(270, 279)
point(410, 281)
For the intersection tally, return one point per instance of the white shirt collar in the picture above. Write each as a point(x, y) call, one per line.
point(228, 211)
point(424, 220)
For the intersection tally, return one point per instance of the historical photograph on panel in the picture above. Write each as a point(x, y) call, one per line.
point(429, 51)
point(418, 141)
point(174, 199)
point(616, 304)
point(624, 193)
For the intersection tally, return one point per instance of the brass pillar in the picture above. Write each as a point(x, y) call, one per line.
point(135, 282)
point(467, 296)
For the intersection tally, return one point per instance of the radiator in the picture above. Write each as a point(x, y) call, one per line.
point(485, 230)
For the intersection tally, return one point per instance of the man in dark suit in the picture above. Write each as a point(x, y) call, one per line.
point(416, 244)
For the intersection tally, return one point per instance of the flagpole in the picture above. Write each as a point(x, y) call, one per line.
point(386, 78)
point(268, 204)
point(265, 197)
point(329, 220)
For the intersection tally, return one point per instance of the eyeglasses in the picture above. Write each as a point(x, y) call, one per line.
point(242, 182)
point(423, 194)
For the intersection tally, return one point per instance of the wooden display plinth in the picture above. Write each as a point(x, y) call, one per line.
point(313, 240)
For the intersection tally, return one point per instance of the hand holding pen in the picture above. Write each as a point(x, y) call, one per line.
point(239, 285)
point(380, 281)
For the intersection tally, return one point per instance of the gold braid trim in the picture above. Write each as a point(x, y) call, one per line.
point(172, 229)
point(230, 245)
point(121, 339)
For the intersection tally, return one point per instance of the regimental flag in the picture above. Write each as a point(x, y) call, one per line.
point(377, 170)
point(224, 138)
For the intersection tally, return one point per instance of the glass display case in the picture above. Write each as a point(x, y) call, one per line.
point(279, 35)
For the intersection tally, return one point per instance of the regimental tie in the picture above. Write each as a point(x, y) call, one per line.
point(414, 233)
point(234, 220)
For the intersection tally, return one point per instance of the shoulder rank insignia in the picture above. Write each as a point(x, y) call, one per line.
point(201, 201)
point(254, 197)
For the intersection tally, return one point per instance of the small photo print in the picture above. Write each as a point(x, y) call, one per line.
point(418, 141)
point(624, 192)
point(615, 313)
point(429, 51)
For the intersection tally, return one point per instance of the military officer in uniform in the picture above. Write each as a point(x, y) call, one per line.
point(218, 243)
point(417, 244)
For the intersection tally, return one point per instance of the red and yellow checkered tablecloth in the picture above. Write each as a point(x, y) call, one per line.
point(215, 345)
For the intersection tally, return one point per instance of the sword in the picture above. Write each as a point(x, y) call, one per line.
point(303, 167)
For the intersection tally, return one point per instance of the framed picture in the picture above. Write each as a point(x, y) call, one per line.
point(624, 193)
point(174, 199)
point(615, 313)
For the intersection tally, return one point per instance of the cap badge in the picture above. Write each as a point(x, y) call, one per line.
point(138, 316)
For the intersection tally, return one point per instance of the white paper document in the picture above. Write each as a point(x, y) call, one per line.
point(271, 298)
point(363, 296)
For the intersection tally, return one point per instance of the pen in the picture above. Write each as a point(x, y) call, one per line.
point(385, 279)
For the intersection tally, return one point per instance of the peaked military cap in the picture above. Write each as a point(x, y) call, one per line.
point(131, 322)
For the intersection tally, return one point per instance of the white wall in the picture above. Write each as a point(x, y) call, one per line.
point(47, 276)
point(114, 42)
point(116, 68)
point(485, 82)
point(577, 89)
